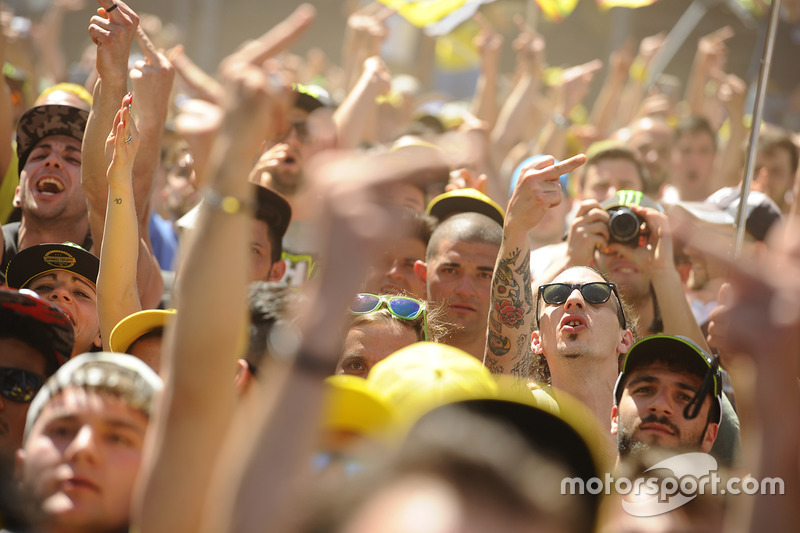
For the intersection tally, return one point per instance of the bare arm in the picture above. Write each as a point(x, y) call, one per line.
point(730, 160)
point(48, 37)
point(757, 331)
point(676, 314)
point(117, 294)
point(710, 55)
point(353, 115)
point(199, 82)
point(201, 350)
point(604, 111)
point(515, 113)
point(489, 44)
point(511, 319)
point(6, 111)
point(113, 33)
point(633, 93)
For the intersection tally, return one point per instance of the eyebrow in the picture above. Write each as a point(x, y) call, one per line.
point(84, 282)
point(654, 379)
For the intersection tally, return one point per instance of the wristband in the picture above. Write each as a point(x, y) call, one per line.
point(228, 204)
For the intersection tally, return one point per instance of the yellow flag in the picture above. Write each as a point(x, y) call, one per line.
point(556, 10)
point(420, 13)
point(608, 4)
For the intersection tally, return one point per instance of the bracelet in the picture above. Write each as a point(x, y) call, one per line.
point(638, 72)
point(228, 204)
point(561, 121)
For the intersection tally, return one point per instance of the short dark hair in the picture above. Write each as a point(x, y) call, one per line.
point(614, 153)
point(269, 302)
point(465, 227)
point(774, 139)
point(695, 124)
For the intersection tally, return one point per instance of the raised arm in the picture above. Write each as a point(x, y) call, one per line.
point(606, 106)
point(676, 314)
point(113, 34)
point(709, 58)
point(201, 350)
point(511, 319)
point(117, 294)
point(489, 44)
point(354, 115)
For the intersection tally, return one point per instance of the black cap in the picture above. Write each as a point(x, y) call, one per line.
point(273, 209)
point(37, 260)
point(674, 348)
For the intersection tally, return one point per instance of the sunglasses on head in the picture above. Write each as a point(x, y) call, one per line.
point(19, 385)
point(402, 307)
point(594, 292)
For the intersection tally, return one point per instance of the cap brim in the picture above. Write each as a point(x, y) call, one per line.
point(465, 201)
point(134, 326)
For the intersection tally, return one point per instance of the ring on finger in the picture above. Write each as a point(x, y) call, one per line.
point(129, 138)
point(112, 8)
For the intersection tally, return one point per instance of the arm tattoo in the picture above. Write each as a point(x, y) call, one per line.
point(512, 300)
point(118, 201)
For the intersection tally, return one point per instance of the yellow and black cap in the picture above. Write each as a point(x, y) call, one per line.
point(43, 258)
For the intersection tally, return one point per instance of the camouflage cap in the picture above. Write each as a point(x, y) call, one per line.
point(43, 121)
point(43, 325)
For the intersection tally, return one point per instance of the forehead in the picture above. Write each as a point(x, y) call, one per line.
point(54, 141)
point(578, 275)
point(62, 276)
point(84, 405)
point(463, 252)
point(662, 374)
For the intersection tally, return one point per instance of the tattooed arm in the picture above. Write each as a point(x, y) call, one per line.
point(508, 345)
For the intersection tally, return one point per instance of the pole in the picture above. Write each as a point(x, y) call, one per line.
point(758, 111)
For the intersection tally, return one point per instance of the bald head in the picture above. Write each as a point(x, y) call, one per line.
point(465, 227)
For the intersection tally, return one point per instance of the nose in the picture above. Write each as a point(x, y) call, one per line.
point(394, 270)
point(83, 446)
point(59, 294)
point(575, 301)
point(465, 287)
point(661, 403)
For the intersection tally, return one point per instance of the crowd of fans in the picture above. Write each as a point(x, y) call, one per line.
point(292, 295)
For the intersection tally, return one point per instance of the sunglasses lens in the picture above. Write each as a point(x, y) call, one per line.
point(364, 303)
point(19, 385)
point(596, 293)
point(556, 294)
point(405, 307)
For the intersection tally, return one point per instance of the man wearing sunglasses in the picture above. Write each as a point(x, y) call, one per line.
point(36, 338)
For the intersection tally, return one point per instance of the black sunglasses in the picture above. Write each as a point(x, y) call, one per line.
point(594, 292)
point(19, 385)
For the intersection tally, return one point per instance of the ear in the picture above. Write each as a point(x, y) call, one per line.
point(536, 343)
point(614, 420)
point(708, 439)
point(17, 202)
point(19, 464)
point(421, 269)
point(243, 376)
point(625, 342)
point(277, 271)
point(98, 342)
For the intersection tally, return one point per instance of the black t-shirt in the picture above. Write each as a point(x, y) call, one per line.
point(11, 235)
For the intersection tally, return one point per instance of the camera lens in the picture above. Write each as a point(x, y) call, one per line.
point(624, 226)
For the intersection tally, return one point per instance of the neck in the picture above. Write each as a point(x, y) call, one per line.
point(646, 312)
point(475, 347)
point(590, 381)
point(35, 231)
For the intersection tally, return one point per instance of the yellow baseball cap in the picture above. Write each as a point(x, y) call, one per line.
point(130, 328)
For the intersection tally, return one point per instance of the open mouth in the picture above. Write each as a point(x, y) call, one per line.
point(49, 186)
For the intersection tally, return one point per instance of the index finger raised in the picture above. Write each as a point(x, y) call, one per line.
point(147, 46)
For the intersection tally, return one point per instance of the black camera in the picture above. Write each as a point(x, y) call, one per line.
point(624, 226)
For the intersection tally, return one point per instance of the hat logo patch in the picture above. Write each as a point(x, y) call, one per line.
point(59, 259)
